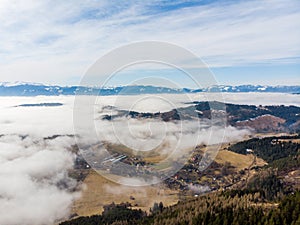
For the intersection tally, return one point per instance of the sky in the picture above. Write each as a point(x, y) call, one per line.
point(241, 42)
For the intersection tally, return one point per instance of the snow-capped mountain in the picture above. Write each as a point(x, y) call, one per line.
point(254, 88)
point(34, 89)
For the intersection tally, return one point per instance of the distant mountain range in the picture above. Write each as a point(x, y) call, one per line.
point(33, 89)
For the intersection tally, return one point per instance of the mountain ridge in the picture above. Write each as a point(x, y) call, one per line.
point(263, 119)
point(35, 89)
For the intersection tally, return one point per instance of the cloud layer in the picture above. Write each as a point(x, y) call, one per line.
point(58, 45)
point(35, 187)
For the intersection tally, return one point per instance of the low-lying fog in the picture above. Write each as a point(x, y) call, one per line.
point(35, 188)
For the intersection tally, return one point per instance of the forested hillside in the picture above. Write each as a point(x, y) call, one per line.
point(231, 207)
point(282, 153)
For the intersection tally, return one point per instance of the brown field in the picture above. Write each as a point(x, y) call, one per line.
point(297, 141)
point(100, 191)
point(239, 161)
point(263, 135)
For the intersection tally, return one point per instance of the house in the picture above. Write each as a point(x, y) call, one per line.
point(249, 150)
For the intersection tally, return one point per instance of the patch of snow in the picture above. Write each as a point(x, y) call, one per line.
point(262, 88)
point(18, 83)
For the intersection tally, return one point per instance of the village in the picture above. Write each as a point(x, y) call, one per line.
point(189, 179)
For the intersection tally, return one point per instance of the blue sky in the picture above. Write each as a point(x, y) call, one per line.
point(237, 75)
point(242, 42)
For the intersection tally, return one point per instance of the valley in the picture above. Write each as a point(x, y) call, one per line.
point(230, 173)
point(248, 154)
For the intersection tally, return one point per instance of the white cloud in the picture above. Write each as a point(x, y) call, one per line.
point(35, 120)
point(31, 171)
point(252, 98)
point(48, 121)
point(55, 41)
